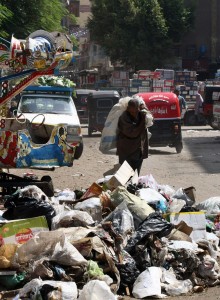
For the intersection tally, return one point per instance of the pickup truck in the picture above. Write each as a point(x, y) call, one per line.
point(52, 137)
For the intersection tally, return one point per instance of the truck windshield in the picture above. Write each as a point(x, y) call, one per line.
point(50, 105)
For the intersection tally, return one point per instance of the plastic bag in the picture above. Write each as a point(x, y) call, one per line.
point(25, 207)
point(179, 287)
point(209, 268)
point(153, 224)
point(109, 132)
point(32, 290)
point(73, 218)
point(139, 208)
point(211, 205)
point(148, 181)
point(148, 283)
point(52, 244)
point(96, 290)
point(92, 206)
point(128, 270)
point(93, 269)
point(175, 205)
point(180, 194)
point(7, 252)
point(122, 220)
point(12, 281)
point(65, 195)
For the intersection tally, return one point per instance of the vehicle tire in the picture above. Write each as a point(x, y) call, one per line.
point(78, 151)
point(190, 118)
point(89, 131)
point(179, 147)
point(212, 124)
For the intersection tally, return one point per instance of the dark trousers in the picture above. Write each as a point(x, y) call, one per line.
point(134, 162)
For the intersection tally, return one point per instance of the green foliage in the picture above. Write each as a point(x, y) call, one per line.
point(31, 15)
point(139, 33)
point(4, 15)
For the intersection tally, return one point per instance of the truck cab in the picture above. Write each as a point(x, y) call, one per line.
point(44, 132)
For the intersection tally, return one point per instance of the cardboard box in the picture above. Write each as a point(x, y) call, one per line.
point(196, 220)
point(93, 191)
point(20, 231)
point(191, 193)
point(121, 177)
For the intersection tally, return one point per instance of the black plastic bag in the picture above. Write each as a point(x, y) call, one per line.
point(153, 224)
point(128, 270)
point(23, 208)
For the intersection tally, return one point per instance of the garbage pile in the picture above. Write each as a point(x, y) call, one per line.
point(123, 236)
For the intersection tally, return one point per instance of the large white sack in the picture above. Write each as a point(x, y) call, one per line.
point(109, 132)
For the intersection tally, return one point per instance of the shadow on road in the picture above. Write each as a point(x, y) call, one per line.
point(205, 151)
point(161, 152)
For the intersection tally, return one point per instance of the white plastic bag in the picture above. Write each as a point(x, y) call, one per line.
point(211, 205)
point(52, 244)
point(148, 283)
point(109, 132)
point(148, 181)
point(175, 205)
point(150, 195)
point(180, 194)
point(179, 287)
point(96, 290)
point(72, 218)
point(68, 289)
point(92, 206)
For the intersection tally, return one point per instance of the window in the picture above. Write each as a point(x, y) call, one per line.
point(191, 51)
point(74, 7)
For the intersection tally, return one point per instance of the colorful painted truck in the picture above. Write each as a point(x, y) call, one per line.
point(216, 114)
point(35, 139)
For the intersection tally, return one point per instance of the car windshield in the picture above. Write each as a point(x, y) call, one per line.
point(50, 105)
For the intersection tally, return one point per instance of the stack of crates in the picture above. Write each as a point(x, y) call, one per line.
point(166, 81)
point(187, 80)
point(140, 86)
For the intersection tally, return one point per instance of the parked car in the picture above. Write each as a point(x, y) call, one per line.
point(99, 106)
point(81, 104)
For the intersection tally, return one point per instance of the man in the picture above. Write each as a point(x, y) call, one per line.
point(199, 107)
point(132, 142)
point(182, 101)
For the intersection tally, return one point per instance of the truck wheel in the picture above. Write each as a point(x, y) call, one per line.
point(78, 151)
point(179, 148)
point(190, 118)
point(213, 124)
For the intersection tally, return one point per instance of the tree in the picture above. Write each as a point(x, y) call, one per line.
point(4, 15)
point(30, 15)
point(179, 18)
point(138, 33)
